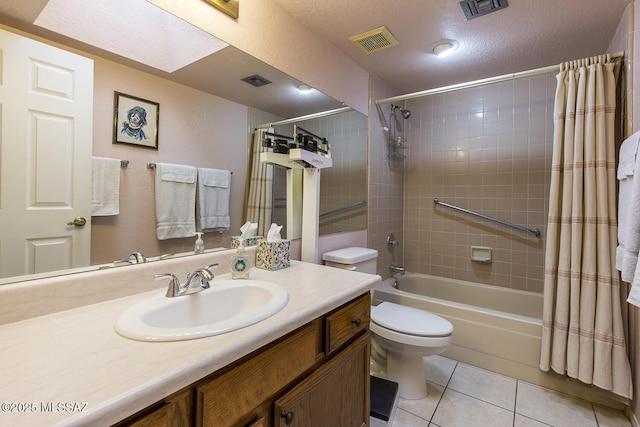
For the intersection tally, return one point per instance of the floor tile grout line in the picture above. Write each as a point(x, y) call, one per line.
point(515, 402)
point(453, 371)
point(430, 420)
point(481, 400)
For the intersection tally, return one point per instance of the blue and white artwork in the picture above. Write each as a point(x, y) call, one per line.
point(135, 121)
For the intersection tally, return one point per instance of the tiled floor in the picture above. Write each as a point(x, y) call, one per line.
point(461, 395)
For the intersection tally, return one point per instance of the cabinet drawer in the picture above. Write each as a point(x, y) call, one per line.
point(347, 322)
point(231, 397)
point(174, 411)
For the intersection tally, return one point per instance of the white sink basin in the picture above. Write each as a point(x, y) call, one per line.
point(226, 306)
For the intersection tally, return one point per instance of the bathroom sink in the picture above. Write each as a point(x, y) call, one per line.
point(226, 306)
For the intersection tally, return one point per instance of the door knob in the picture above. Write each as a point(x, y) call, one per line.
point(78, 222)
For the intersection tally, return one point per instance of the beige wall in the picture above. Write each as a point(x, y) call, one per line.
point(195, 129)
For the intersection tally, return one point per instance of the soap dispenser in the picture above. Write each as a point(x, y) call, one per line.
point(199, 246)
point(240, 265)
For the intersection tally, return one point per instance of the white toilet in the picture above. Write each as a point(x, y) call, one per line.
point(405, 334)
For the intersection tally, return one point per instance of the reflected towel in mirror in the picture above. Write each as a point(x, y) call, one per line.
point(175, 201)
point(214, 191)
point(105, 186)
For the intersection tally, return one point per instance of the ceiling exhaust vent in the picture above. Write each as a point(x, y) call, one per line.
point(374, 40)
point(475, 8)
point(256, 80)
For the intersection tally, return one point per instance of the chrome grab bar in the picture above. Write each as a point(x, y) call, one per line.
point(534, 231)
point(344, 209)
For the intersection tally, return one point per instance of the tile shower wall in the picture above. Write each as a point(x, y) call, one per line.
point(385, 185)
point(487, 149)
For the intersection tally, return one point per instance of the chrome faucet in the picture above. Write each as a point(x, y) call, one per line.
point(197, 281)
point(394, 269)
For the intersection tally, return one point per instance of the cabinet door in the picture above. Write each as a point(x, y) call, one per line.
point(239, 393)
point(337, 394)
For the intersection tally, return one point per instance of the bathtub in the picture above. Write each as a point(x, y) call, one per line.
point(496, 328)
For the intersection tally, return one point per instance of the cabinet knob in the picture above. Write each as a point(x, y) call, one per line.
point(288, 417)
point(356, 322)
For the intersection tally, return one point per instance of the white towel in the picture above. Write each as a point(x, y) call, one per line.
point(214, 190)
point(105, 186)
point(175, 201)
point(628, 208)
point(625, 172)
point(634, 294)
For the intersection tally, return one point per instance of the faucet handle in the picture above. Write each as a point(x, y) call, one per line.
point(174, 288)
point(206, 274)
point(207, 271)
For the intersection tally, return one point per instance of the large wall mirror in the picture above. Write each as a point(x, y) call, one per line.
point(206, 118)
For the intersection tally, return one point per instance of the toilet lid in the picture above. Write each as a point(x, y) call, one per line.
point(409, 320)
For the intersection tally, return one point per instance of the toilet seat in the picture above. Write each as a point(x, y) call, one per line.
point(410, 321)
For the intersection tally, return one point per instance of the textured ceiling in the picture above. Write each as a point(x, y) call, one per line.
point(527, 34)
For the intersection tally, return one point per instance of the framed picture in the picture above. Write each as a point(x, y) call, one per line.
point(135, 121)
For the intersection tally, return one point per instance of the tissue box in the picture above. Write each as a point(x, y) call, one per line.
point(248, 241)
point(273, 255)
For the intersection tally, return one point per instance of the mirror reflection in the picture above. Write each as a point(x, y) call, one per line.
point(204, 110)
point(343, 187)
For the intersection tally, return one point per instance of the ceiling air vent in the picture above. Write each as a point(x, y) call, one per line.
point(475, 8)
point(374, 40)
point(256, 80)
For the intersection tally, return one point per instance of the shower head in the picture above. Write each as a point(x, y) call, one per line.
point(405, 113)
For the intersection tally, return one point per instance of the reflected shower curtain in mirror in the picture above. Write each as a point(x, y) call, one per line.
point(583, 335)
point(259, 200)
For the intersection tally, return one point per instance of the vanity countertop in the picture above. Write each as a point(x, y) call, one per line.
point(72, 368)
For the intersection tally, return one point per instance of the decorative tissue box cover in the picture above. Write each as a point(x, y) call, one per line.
point(248, 241)
point(273, 255)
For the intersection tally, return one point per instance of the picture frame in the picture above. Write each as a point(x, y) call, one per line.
point(135, 121)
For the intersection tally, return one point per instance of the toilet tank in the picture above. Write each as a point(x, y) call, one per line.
point(354, 259)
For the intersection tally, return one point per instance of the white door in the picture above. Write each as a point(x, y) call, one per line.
point(46, 120)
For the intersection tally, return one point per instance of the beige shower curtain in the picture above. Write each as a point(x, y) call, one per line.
point(583, 335)
point(259, 199)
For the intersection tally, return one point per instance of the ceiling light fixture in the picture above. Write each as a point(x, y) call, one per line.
point(304, 88)
point(444, 47)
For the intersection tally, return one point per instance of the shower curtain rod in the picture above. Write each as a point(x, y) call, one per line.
point(307, 117)
point(480, 82)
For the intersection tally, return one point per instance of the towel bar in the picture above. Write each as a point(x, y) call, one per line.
point(534, 231)
point(153, 166)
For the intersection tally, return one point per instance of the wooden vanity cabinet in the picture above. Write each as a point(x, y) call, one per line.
point(333, 395)
point(318, 375)
point(229, 399)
